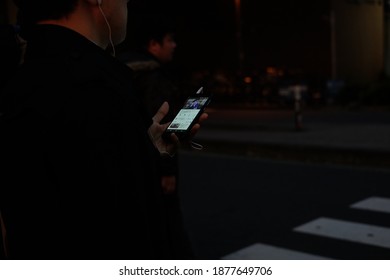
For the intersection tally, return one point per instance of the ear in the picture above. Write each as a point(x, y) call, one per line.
point(153, 44)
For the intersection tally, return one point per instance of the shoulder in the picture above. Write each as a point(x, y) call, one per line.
point(147, 65)
point(68, 83)
point(139, 61)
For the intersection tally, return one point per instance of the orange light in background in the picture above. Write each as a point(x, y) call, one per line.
point(248, 80)
point(237, 4)
point(272, 71)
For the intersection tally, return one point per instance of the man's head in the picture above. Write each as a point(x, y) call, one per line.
point(163, 49)
point(88, 17)
point(154, 33)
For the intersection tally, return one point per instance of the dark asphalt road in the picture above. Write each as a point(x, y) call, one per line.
point(257, 179)
point(232, 202)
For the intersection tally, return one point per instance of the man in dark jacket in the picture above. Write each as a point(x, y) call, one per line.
point(149, 51)
point(81, 154)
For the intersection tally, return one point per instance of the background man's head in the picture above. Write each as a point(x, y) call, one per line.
point(152, 33)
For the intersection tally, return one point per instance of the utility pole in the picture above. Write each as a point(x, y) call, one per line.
point(11, 12)
point(237, 6)
point(387, 37)
point(333, 48)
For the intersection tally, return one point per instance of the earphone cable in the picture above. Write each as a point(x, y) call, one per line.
point(109, 30)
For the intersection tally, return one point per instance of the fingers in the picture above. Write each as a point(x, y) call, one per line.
point(196, 126)
point(174, 139)
point(194, 130)
point(161, 113)
point(203, 117)
point(164, 126)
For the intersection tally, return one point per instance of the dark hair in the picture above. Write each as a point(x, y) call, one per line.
point(143, 28)
point(32, 11)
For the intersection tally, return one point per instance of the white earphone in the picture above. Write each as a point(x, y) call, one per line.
point(99, 2)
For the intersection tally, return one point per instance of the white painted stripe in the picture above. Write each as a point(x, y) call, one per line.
point(378, 204)
point(260, 251)
point(350, 231)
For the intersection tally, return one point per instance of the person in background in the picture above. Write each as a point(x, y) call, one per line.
point(148, 50)
point(80, 154)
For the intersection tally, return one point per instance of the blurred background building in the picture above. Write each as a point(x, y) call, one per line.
point(260, 49)
point(357, 28)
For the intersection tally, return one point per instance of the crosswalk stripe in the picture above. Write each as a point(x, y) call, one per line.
point(378, 204)
point(349, 231)
point(259, 251)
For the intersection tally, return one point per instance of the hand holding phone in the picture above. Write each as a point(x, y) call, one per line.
point(188, 115)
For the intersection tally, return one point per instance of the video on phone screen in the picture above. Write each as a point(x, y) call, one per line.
point(186, 115)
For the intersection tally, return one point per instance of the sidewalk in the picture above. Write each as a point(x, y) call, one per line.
point(331, 135)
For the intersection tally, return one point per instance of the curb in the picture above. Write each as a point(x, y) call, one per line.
point(307, 154)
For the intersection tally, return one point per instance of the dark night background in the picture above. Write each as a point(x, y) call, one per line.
point(272, 163)
point(290, 34)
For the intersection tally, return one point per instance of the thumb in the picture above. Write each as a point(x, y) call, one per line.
point(161, 113)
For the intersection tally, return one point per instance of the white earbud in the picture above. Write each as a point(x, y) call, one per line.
point(99, 2)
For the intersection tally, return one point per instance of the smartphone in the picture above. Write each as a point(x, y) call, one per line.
point(188, 115)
